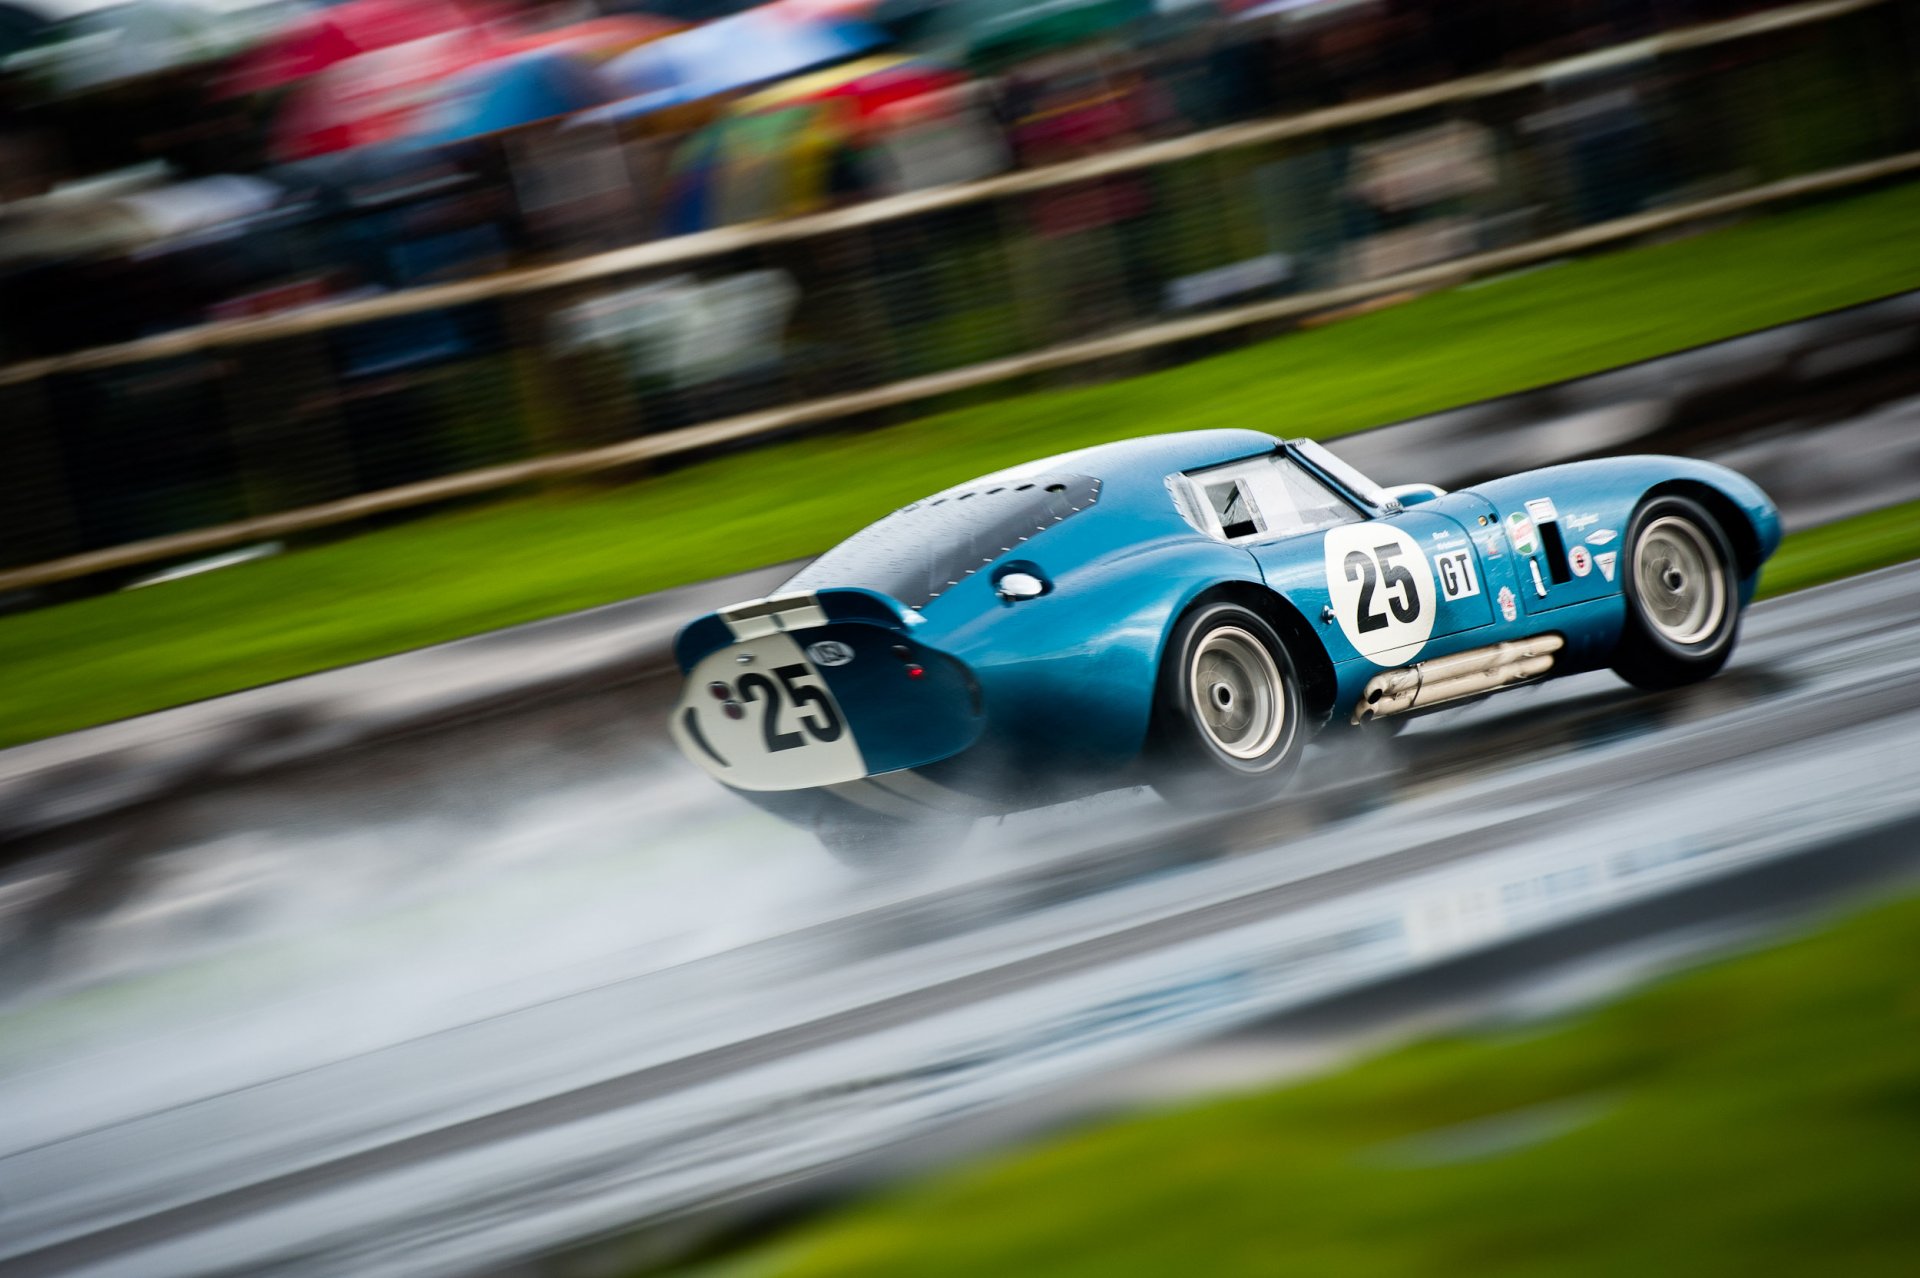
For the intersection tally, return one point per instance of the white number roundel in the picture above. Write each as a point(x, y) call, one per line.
point(1382, 589)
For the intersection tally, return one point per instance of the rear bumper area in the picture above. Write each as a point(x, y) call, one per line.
point(809, 691)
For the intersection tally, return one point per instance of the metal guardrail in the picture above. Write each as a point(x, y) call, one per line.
point(748, 426)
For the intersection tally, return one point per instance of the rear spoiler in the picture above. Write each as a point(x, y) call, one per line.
point(806, 610)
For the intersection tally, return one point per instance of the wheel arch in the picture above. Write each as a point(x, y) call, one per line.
point(1310, 659)
point(1733, 520)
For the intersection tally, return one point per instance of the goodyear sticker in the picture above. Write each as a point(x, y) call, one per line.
point(1601, 536)
point(1520, 533)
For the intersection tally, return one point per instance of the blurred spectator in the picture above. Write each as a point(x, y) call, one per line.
point(382, 123)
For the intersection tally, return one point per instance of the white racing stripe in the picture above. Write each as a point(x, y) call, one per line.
point(774, 615)
point(876, 799)
point(909, 784)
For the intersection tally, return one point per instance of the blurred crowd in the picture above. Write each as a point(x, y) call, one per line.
point(167, 163)
point(212, 159)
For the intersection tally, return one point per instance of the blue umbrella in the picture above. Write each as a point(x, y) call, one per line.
point(756, 47)
point(506, 94)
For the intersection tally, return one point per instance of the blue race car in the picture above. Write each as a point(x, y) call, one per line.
point(1188, 610)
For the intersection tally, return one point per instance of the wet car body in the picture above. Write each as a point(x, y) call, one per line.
point(1001, 644)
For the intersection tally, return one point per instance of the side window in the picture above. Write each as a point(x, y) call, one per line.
point(1234, 508)
point(1265, 497)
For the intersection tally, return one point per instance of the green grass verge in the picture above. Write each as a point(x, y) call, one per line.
point(463, 572)
point(1843, 548)
point(1761, 1116)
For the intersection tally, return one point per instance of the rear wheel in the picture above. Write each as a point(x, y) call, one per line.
point(1228, 718)
point(1683, 603)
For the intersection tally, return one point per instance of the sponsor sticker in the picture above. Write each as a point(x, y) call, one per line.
point(1539, 582)
point(829, 652)
point(1606, 560)
point(1577, 522)
point(1509, 607)
point(1601, 536)
point(1541, 508)
point(1580, 559)
point(1520, 532)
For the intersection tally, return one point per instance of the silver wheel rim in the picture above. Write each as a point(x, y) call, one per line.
point(1682, 583)
point(1236, 691)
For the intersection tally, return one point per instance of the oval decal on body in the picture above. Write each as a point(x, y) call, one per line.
point(1382, 588)
point(829, 652)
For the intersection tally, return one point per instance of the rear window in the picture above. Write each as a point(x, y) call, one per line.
point(919, 552)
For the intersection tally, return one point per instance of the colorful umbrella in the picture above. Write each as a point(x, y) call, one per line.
point(371, 97)
point(509, 93)
point(867, 85)
point(1000, 31)
point(318, 40)
point(597, 38)
point(757, 47)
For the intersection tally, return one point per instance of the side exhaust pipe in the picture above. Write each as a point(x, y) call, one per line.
point(1464, 674)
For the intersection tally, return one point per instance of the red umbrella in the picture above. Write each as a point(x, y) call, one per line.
point(327, 37)
point(371, 97)
point(596, 38)
point(829, 10)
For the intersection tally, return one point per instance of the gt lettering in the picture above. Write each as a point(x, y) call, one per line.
point(1457, 577)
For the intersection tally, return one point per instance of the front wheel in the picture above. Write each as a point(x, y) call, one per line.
point(1683, 603)
point(1229, 723)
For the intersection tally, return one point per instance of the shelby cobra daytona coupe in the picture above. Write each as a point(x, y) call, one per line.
point(1186, 610)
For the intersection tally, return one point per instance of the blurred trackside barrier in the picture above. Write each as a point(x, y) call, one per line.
point(199, 439)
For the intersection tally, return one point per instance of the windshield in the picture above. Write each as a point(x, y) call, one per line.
point(921, 551)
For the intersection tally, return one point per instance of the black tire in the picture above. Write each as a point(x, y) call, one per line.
point(1210, 745)
point(1682, 586)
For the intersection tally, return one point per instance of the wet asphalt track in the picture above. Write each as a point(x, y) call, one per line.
point(622, 1018)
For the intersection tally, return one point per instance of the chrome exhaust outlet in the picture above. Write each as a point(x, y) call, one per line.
point(1464, 674)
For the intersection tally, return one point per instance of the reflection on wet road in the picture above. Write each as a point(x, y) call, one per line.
point(490, 1009)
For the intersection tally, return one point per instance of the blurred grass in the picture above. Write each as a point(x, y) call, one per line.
point(1760, 1116)
point(1840, 549)
point(465, 571)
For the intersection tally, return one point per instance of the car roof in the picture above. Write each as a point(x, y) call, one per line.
point(1149, 458)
